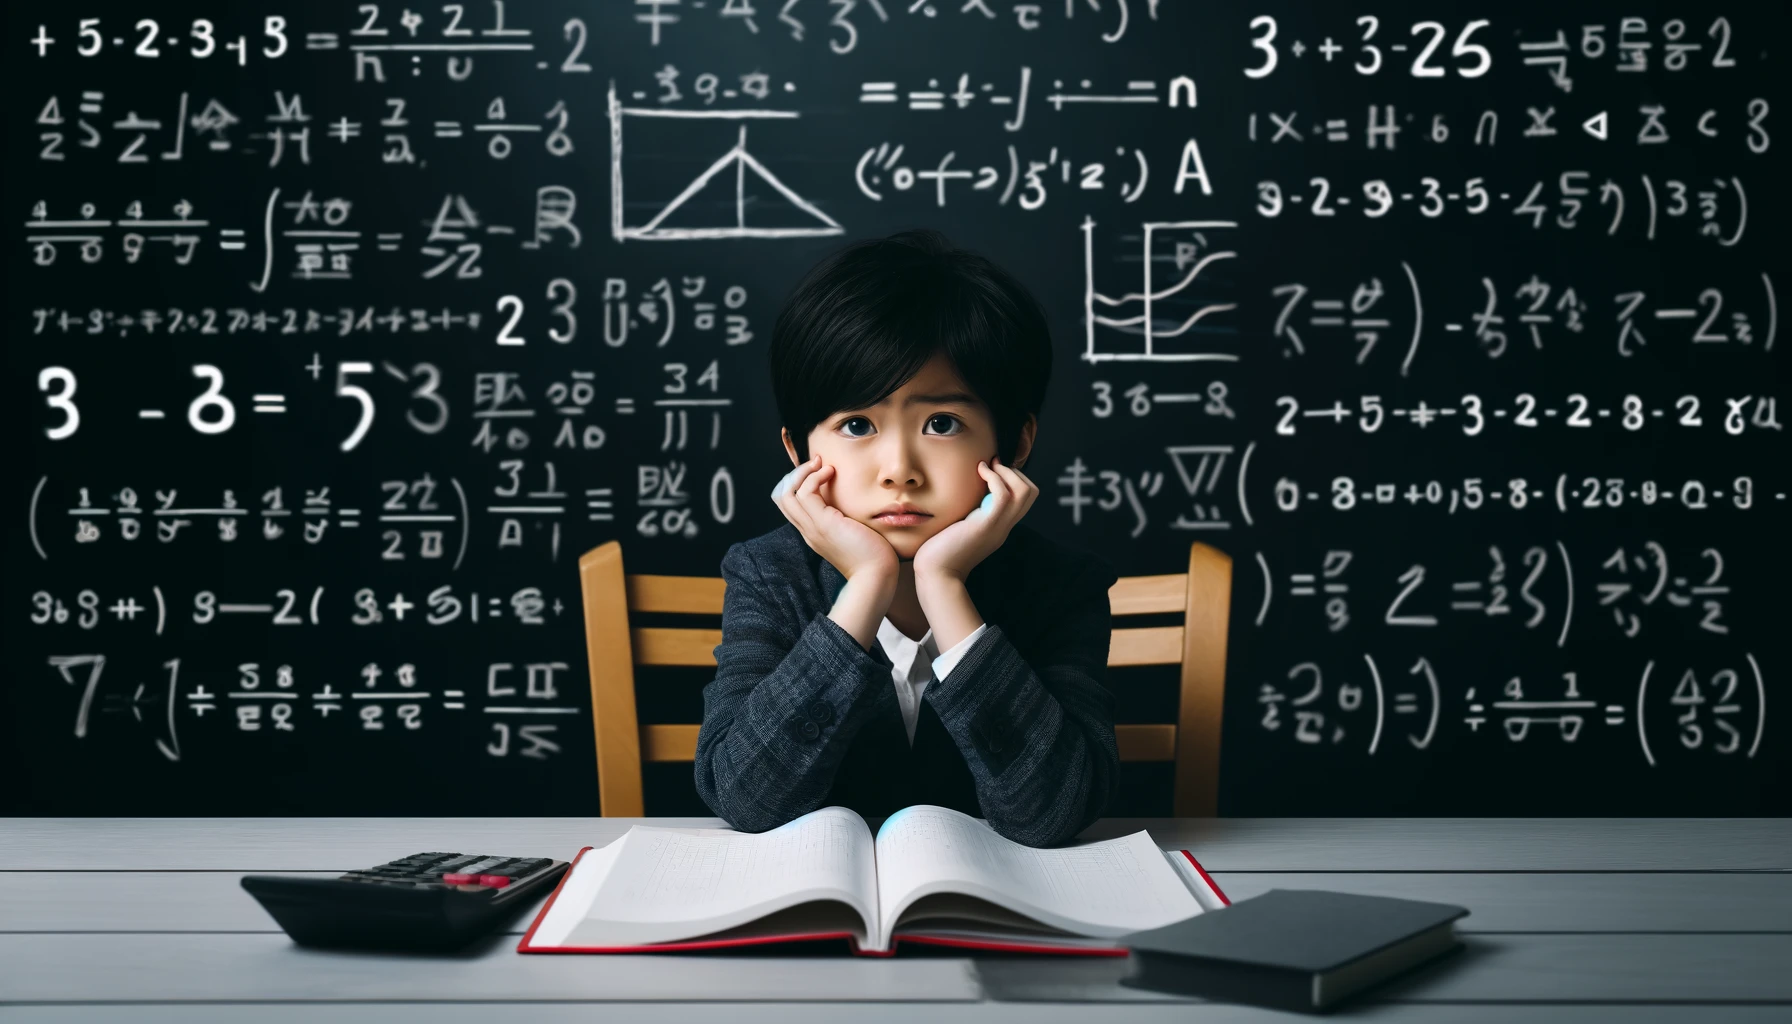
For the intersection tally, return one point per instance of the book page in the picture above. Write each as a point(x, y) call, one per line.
point(665, 885)
point(580, 885)
point(1102, 890)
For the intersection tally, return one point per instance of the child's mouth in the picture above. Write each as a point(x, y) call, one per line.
point(903, 518)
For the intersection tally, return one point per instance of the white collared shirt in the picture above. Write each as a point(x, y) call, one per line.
point(912, 672)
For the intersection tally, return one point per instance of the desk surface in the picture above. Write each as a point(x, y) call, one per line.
point(1582, 919)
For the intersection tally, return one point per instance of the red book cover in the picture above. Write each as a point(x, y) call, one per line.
point(526, 945)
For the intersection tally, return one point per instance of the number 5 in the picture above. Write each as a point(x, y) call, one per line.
point(359, 394)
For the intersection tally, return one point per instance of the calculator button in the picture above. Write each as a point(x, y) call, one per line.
point(459, 878)
point(495, 881)
point(481, 865)
point(455, 862)
point(473, 888)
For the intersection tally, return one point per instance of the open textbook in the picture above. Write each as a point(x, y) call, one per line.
point(930, 875)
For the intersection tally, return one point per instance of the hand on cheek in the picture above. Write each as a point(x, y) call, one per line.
point(960, 547)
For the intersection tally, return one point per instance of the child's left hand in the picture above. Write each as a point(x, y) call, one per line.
point(953, 552)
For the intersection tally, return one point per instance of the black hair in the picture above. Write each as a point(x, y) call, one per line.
point(866, 318)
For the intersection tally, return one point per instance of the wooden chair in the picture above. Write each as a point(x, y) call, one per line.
point(1202, 595)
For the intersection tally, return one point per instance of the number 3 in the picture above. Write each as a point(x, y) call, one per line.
point(1266, 43)
point(61, 401)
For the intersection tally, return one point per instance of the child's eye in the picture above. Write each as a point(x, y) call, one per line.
point(846, 426)
point(949, 421)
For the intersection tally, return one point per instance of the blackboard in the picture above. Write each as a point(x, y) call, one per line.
point(338, 331)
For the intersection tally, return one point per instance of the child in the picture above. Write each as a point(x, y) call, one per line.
point(909, 375)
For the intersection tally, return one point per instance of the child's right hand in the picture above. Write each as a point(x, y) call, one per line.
point(851, 546)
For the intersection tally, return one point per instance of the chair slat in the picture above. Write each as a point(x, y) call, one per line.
point(675, 646)
point(680, 595)
point(1145, 595)
point(663, 743)
point(1146, 645)
point(669, 742)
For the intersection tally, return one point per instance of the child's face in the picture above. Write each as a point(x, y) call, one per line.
point(918, 447)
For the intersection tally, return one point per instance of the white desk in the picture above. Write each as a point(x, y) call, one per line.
point(1580, 919)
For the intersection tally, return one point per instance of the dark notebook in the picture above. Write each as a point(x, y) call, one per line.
point(1294, 949)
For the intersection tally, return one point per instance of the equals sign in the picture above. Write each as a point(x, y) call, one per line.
point(1301, 583)
point(597, 504)
point(1337, 131)
point(448, 130)
point(454, 705)
point(346, 517)
point(322, 41)
point(388, 241)
point(270, 403)
point(1406, 703)
point(1469, 586)
point(625, 406)
point(1614, 714)
point(230, 238)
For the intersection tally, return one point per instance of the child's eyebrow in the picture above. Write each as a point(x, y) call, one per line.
point(949, 398)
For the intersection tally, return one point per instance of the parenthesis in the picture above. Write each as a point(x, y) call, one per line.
point(1013, 175)
point(39, 489)
point(1269, 587)
point(1641, 689)
point(316, 596)
point(1436, 704)
point(1742, 221)
point(466, 524)
point(267, 243)
point(1649, 187)
point(858, 175)
point(1567, 574)
point(1418, 318)
point(161, 610)
point(1375, 674)
point(1120, 29)
point(1144, 174)
point(1773, 311)
point(1761, 703)
point(1561, 485)
point(1244, 466)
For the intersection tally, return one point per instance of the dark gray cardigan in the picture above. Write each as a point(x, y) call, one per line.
point(800, 716)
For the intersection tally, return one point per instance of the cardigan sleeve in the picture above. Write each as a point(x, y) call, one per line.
point(1038, 734)
point(785, 704)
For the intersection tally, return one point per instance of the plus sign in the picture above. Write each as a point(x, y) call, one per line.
point(1422, 415)
point(1298, 48)
point(314, 366)
point(559, 606)
point(399, 606)
point(1329, 48)
point(42, 40)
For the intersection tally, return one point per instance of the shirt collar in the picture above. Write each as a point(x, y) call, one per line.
point(907, 654)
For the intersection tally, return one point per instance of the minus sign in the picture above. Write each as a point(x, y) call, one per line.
point(150, 414)
point(541, 65)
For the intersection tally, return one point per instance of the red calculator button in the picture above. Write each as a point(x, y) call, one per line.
point(459, 878)
point(495, 881)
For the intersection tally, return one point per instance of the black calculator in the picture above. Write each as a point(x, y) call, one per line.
point(427, 901)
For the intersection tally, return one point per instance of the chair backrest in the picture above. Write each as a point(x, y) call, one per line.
point(1202, 595)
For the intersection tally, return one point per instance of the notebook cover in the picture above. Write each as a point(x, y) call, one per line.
point(1304, 930)
point(852, 940)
